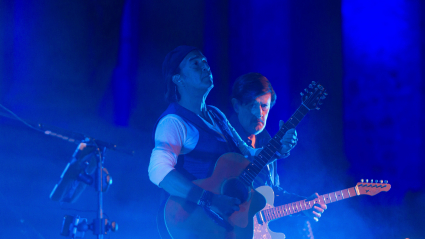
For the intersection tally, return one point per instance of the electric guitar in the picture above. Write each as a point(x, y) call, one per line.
point(270, 213)
point(233, 176)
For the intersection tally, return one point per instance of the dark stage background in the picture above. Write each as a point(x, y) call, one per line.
point(94, 67)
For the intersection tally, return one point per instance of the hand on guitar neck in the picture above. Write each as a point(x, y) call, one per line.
point(316, 211)
point(289, 140)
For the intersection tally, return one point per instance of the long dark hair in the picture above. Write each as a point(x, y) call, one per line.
point(172, 93)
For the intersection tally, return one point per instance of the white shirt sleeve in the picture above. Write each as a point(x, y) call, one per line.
point(173, 136)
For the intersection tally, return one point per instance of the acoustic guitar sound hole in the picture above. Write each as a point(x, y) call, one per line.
point(235, 188)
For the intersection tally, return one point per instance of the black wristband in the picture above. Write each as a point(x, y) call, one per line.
point(205, 199)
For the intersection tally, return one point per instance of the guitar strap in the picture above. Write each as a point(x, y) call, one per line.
point(224, 127)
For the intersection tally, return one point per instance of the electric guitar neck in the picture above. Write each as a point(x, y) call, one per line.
point(362, 188)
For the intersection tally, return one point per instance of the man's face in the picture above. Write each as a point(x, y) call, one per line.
point(195, 71)
point(253, 116)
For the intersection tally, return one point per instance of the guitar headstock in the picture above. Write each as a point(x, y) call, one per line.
point(372, 188)
point(312, 96)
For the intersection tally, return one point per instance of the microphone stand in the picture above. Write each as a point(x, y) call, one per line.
point(73, 174)
point(99, 223)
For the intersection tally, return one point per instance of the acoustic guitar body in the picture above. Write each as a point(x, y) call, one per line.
point(185, 219)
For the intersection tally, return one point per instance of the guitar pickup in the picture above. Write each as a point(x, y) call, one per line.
point(260, 217)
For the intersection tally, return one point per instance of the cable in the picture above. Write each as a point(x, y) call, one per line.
point(40, 128)
point(18, 118)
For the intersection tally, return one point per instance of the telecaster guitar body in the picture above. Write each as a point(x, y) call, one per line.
point(262, 231)
point(185, 219)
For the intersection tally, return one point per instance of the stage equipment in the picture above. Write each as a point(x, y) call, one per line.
point(85, 168)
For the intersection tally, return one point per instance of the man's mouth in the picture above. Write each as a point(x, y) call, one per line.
point(208, 76)
point(259, 121)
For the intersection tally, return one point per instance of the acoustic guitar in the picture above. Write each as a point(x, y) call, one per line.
point(270, 213)
point(233, 176)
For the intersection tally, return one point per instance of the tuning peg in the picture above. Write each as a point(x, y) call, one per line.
point(386, 181)
point(322, 97)
point(371, 181)
point(367, 180)
point(320, 87)
point(310, 86)
point(313, 83)
point(382, 181)
point(362, 180)
point(376, 181)
point(306, 90)
point(302, 94)
point(317, 108)
point(326, 93)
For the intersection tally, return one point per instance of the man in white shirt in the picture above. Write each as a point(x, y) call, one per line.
point(190, 136)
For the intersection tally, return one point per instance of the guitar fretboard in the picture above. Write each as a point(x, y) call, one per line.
point(299, 206)
point(273, 146)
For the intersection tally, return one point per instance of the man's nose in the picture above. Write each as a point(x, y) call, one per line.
point(256, 111)
point(206, 67)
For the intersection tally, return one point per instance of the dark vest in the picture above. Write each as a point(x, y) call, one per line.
point(200, 162)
